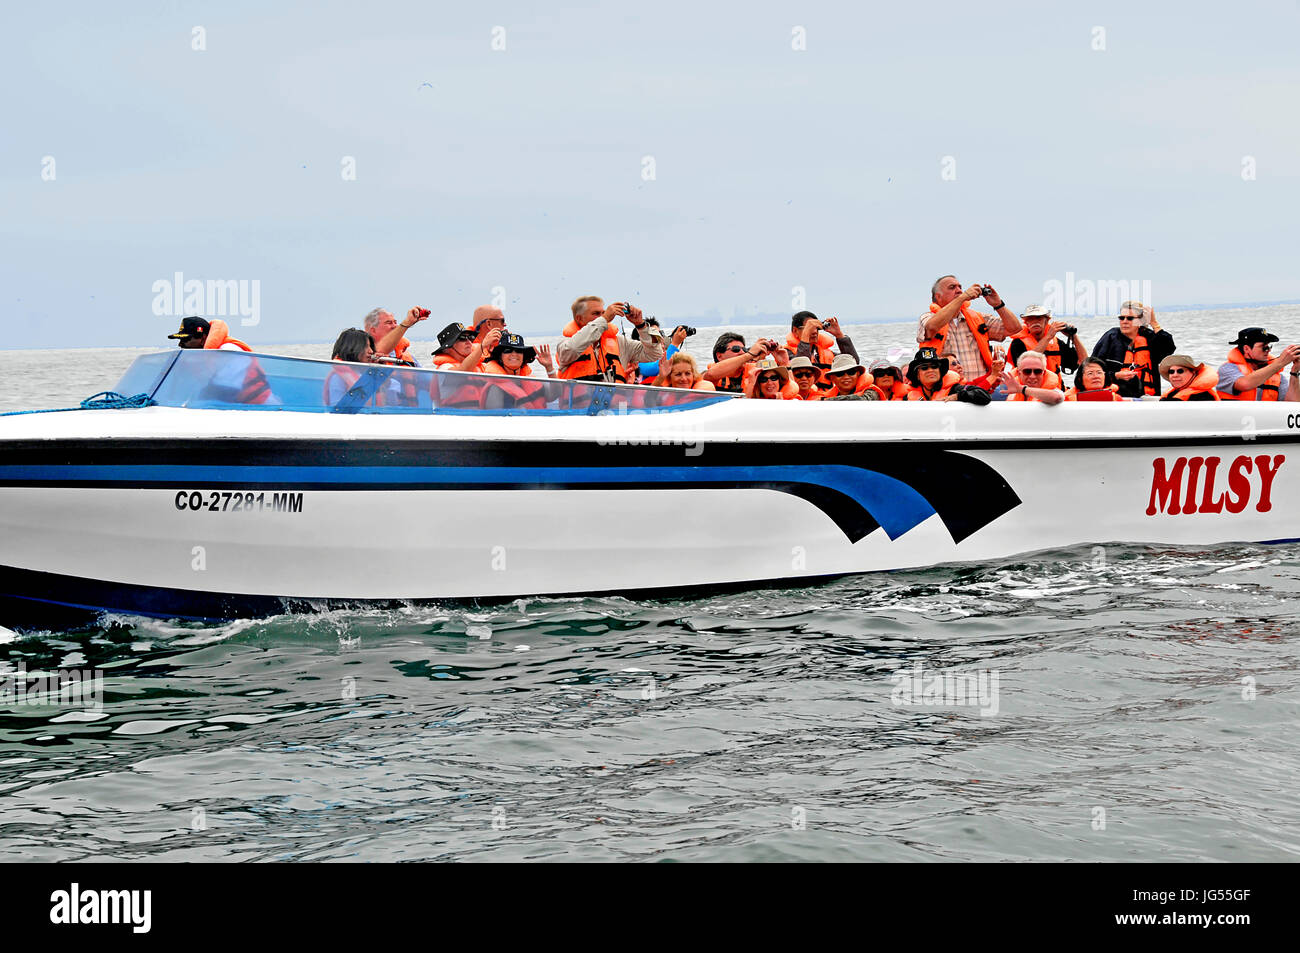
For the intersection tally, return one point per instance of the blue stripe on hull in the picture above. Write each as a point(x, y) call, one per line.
point(894, 505)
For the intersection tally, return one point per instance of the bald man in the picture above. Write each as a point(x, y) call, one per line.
point(488, 318)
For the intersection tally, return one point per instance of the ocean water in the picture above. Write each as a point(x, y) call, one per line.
point(1139, 703)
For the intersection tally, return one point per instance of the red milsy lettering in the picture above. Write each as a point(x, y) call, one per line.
point(1238, 485)
point(1266, 474)
point(1209, 505)
point(1165, 486)
point(1193, 472)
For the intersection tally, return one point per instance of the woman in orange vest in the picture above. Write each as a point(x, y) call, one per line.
point(353, 346)
point(889, 379)
point(459, 351)
point(850, 381)
point(1189, 379)
point(680, 370)
point(1137, 348)
point(1093, 381)
point(927, 374)
point(512, 359)
point(768, 380)
point(805, 374)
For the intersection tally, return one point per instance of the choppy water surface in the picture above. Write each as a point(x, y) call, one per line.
point(1147, 704)
point(1159, 687)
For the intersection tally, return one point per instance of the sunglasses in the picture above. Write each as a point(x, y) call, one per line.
point(805, 373)
point(1179, 370)
point(1126, 317)
point(734, 349)
point(1033, 370)
point(769, 378)
point(928, 367)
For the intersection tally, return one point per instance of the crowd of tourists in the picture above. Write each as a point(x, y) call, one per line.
point(960, 356)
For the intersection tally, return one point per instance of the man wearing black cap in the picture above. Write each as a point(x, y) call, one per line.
point(1252, 373)
point(198, 334)
point(192, 334)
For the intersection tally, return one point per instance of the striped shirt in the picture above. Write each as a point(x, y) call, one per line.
point(958, 342)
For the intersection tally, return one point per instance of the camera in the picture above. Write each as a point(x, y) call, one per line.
point(985, 291)
point(1069, 331)
point(689, 330)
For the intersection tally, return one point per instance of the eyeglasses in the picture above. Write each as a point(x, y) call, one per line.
point(734, 349)
point(769, 378)
point(1033, 370)
point(1128, 317)
point(805, 373)
point(1179, 370)
point(927, 367)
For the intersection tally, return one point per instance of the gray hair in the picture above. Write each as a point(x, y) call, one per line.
point(371, 320)
point(934, 288)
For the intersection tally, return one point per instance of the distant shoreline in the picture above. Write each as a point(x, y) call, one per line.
point(743, 321)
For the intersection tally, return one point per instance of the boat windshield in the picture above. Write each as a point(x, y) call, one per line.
point(223, 379)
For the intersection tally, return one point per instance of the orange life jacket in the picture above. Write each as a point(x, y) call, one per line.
point(661, 381)
point(1050, 382)
point(917, 393)
point(530, 394)
point(1139, 353)
point(349, 375)
point(788, 390)
point(599, 362)
point(446, 392)
point(1203, 383)
point(822, 355)
point(255, 389)
point(978, 328)
point(813, 394)
point(1052, 353)
point(219, 334)
point(402, 351)
point(1268, 390)
point(732, 385)
point(897, 392)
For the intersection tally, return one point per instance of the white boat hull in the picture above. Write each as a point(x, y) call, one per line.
point(218, 513)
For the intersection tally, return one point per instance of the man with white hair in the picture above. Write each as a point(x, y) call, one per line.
point(594, 350)
point(387, 333)
point(1026, 381)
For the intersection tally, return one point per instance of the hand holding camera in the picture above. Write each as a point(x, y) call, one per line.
point(491, 340)
point(990, 295)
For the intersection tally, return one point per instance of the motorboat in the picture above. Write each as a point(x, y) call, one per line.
point(242, 485)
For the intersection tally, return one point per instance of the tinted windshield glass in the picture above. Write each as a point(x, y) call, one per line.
point(229, 379)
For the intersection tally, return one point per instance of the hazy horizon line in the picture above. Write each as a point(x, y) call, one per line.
point(1198, 306)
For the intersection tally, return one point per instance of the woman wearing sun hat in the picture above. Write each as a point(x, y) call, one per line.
point(927, 374)
point(1189, 378)
point(512, 359)
point(768, 381)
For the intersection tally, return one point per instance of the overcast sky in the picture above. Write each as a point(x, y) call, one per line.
point(686, 155)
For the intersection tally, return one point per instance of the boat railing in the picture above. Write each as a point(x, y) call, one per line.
point(226, 380)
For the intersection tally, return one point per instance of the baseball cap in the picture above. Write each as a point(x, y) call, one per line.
point(1249, 336)
point(197, 327)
